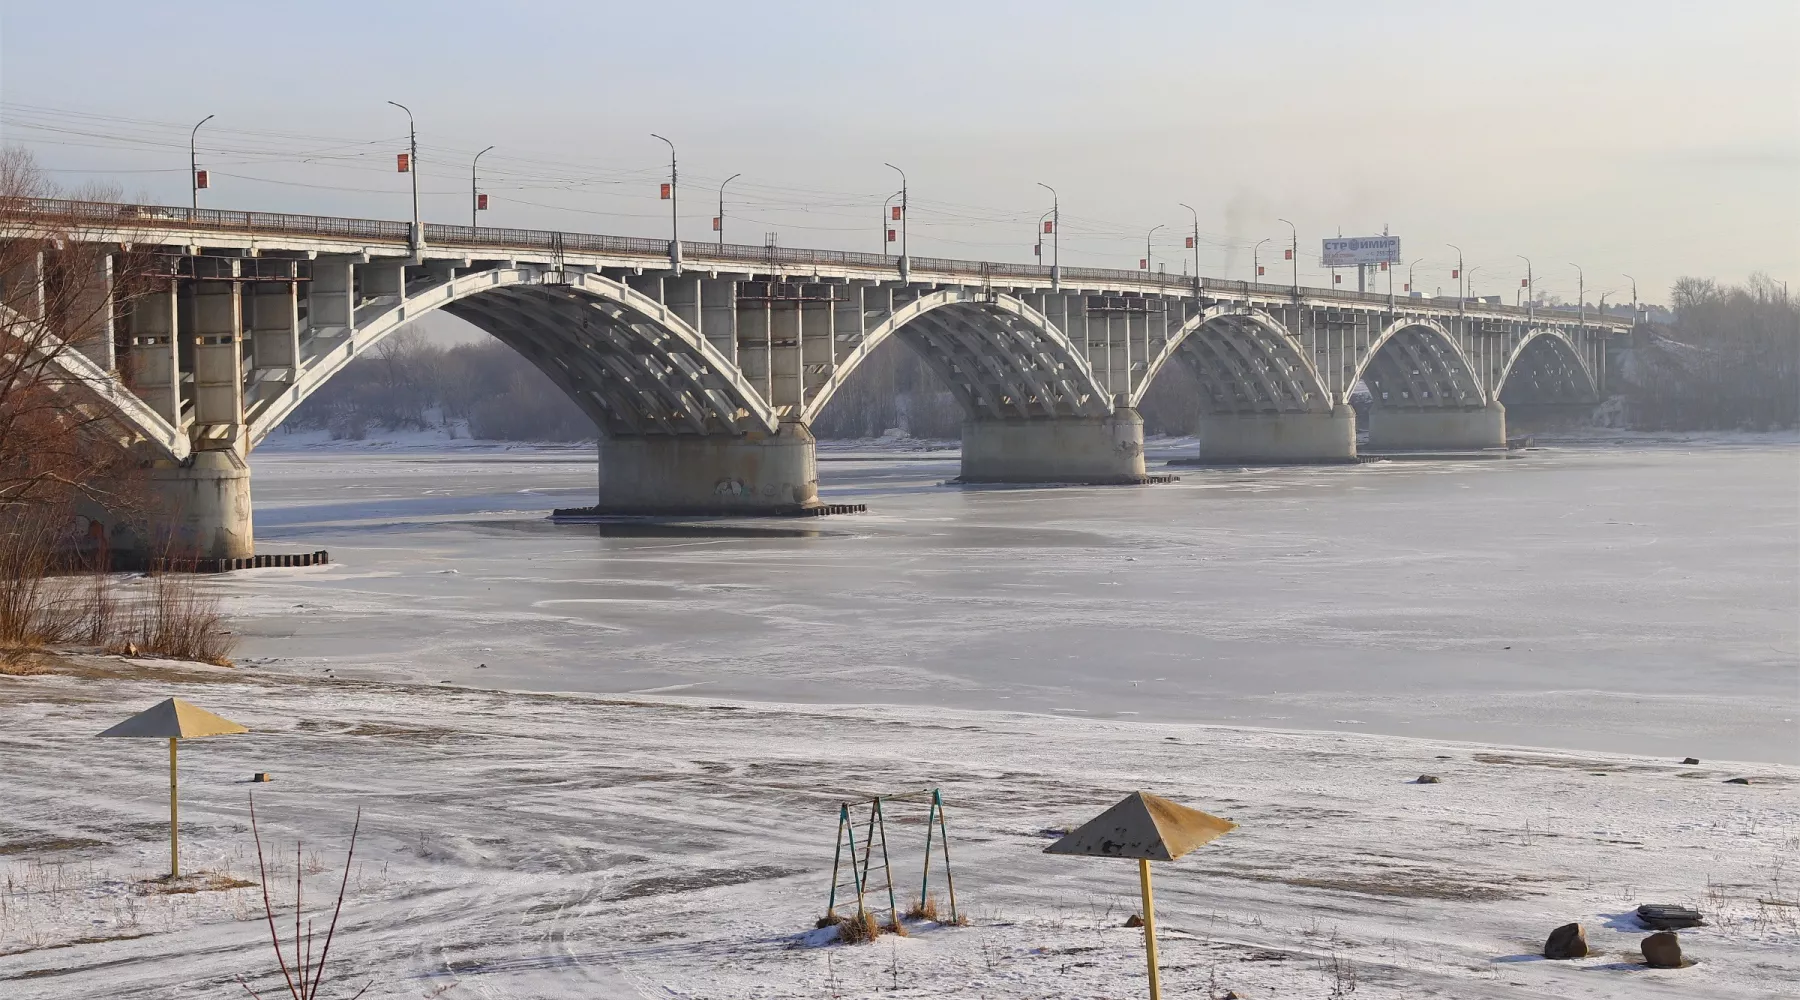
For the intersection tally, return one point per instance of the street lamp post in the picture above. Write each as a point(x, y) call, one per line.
point(1580, 299)
point(721, 225)
point(1055, 236)
point(412, 170)
point(1469, 278)
point(1530, 289)
point(1409, 275)
point(194, 166)
point(1634, 299)
point(1256, 261)
point(674, 209)
point(905, 261)
point(886, 229)
point(1294, 253)
point(1196, 238)
point(1461, 275)
point(474, 189)
point(1147, 237)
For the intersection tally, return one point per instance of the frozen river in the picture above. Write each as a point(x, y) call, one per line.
point(1639, 598)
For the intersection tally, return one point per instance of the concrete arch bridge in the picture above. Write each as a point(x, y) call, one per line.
point(703, 369)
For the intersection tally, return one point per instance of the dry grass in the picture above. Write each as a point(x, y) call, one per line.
point(187, 884)
point(926, 909)
point(859, 928)
point(20, 663)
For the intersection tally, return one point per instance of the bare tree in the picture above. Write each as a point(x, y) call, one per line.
point(62, 282)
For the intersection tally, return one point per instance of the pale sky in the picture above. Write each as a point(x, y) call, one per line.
point(1650, 138)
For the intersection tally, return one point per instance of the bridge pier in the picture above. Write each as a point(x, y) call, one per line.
point(199, 508)
point(752, 473)
point(1096, 450)
point(1446, 429)
point(1279, 438)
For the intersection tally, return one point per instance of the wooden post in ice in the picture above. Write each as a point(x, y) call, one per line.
point(174, 825)
point(1149, 928)
point(1148, 828)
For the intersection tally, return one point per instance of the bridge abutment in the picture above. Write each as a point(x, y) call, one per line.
point(1437, 429)
point(1097, 450)
point(1279, 438)
point(751, 473)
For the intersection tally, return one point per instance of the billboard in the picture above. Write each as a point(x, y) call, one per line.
point(1349, 251)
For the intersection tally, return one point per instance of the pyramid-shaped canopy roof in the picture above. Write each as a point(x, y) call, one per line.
point(1142, 825)
point(175, 719)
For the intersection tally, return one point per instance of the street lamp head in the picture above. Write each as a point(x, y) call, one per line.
point(404, 108)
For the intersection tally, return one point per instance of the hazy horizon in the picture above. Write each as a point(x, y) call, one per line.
point(1643, 139)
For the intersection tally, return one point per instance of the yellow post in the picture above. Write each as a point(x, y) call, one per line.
point(174, 843)
point(1149, 928)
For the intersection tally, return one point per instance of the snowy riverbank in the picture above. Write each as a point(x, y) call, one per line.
point(530, 845)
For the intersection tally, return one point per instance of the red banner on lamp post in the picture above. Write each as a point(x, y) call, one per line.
point(404, 162)
point(200, 180)
point(481, 203)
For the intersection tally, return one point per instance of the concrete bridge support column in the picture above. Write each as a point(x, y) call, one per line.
point(1279, 438)
point(1437, 429)
point(1062, 450)
point(199, 509)
point(713, 474)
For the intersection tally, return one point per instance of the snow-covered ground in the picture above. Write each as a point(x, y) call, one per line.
point(540, 845)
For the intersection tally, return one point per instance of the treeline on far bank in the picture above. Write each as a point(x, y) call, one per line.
point(1729, 360)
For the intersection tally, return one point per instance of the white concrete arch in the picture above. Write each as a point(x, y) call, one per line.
point(1240, 360)
point(1036, 367)
point(1540, 338)
point(1424, 356)
point(75, 372)
point(628, 307)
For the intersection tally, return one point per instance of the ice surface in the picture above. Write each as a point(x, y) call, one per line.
point(1035, 653)
point(1634, 599)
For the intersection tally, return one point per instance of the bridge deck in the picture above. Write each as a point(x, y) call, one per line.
point(276, 232)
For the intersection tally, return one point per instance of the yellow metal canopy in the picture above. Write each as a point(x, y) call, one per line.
point(1143, 826)
point(175, 719)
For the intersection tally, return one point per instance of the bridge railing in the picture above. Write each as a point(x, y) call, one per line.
point(127, 218)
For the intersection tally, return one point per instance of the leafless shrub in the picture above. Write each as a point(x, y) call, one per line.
point(178, 620)
point(302, 975)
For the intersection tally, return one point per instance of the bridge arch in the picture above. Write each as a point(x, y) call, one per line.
point(999, 357)
point(71, 370)
point(627, 360)
point(1245, 360)
point(1545, 367)
point(1416, 364)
